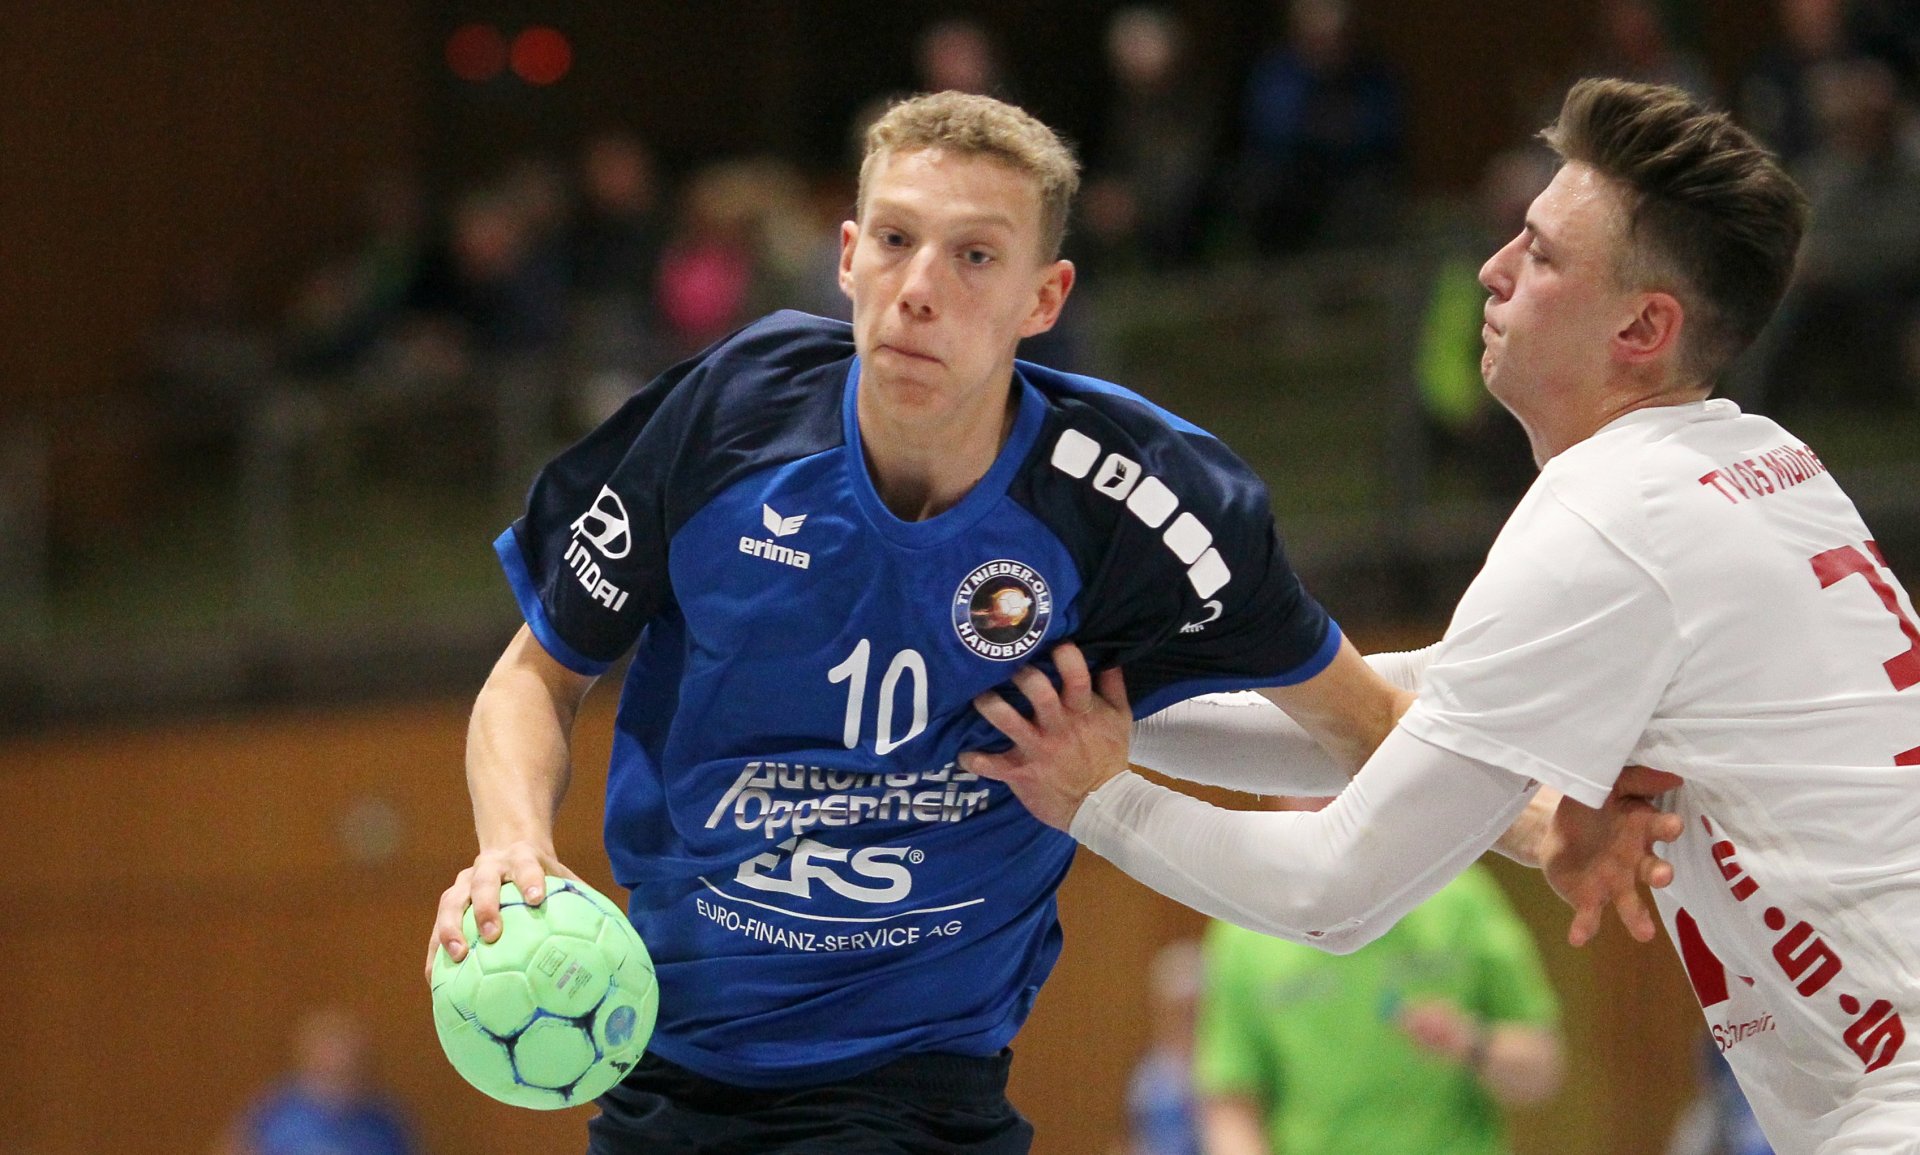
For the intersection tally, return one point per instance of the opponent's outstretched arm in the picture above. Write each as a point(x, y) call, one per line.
point(1250, 741)
point(1245, 741)
point(1335, 879)
point(519, 759)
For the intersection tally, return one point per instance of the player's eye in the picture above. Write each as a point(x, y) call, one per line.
point(1536, 256)
point(893, 238)
point(976, 257)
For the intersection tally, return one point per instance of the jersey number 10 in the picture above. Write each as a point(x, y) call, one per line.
point(853, 671)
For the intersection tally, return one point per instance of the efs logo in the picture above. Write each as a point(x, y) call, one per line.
point(874, 874)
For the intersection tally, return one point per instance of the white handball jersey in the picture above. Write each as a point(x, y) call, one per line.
point(1690, 590)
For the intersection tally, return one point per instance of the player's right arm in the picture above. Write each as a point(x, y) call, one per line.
point(1245, 741)
point(1252, 742)
point(519, 757)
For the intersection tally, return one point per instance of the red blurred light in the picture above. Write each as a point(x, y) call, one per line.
point(541, 55)
point(476, 52)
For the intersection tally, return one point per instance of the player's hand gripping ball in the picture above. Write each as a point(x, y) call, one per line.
point(557, 1009)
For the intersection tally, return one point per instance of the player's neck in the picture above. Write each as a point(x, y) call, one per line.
point(922, 469)
point(1561, 428)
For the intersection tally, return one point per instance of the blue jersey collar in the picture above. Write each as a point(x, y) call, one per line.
point(985, 494)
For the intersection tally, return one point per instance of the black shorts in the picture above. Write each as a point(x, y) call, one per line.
point(917, 1105)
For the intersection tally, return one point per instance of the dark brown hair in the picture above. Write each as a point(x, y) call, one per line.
point(1711, 217)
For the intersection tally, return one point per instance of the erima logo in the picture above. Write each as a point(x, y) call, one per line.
point(781, 526)
point(773, 551)
point(811, 862)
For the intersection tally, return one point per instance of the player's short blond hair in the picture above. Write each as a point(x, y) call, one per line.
point(970, 125)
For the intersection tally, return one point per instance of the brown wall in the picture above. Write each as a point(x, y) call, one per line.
point(140, 137)
point(181, 893)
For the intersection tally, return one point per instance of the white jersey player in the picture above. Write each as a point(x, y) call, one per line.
point(1701, 596)
point(1684, 587)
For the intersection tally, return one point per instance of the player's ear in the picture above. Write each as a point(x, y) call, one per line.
point(1055, 283)
point(1654, 329)
point(849, 233)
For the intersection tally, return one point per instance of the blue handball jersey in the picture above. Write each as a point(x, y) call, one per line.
point(821, 887)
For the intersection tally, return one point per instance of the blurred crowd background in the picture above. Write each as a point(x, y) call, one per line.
point(297, 297)
point(301, 299)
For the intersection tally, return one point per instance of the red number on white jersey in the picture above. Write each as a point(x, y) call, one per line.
point(1837, 564)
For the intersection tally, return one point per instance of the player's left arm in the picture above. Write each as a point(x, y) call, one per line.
point(1414, 818)
point(1348, 708)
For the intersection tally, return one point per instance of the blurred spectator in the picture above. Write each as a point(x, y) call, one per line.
point(206, 357)
point(500, 291)
point(613, 259)
point(1467, 433)
point(345, 308)
point(326, 1105)
point(1160, 1108)
point(617, 233)
point(1141, 205)
point(1889, 31)
point(1634, 43)
point(958, 54)
point(1718, 1121)
point(1776, 98)
point(1324, 143)
point(749, 240)
point(1412, 1043)
point(540, 193)
point(1844, 328)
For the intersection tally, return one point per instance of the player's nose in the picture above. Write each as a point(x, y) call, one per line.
point(919, 287)
point(1496, 275)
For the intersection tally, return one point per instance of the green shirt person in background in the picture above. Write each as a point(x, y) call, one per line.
point(1411, 1044)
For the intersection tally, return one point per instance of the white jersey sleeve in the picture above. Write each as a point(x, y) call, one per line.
point(1556, 656)
point(1242, 741)
point(1336, 879)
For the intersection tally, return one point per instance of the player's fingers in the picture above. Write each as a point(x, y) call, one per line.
point(1668, 827)
point(1076, 684)
point(1113, 688)
point(1646, 782)
point(1004, 718)
point(1656, 872)
point(1586, 921)
point(1652, 869)
point(1634, 916)
point(1041, 695)
point(486, 881)
point(530, 878)
point(999, 767)
point(447, 931)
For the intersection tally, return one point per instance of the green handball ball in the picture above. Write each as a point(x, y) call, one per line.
point(555, 1011)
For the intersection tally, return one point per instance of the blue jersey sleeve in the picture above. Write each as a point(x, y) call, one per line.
point(588, 559)
point(1188, 586)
